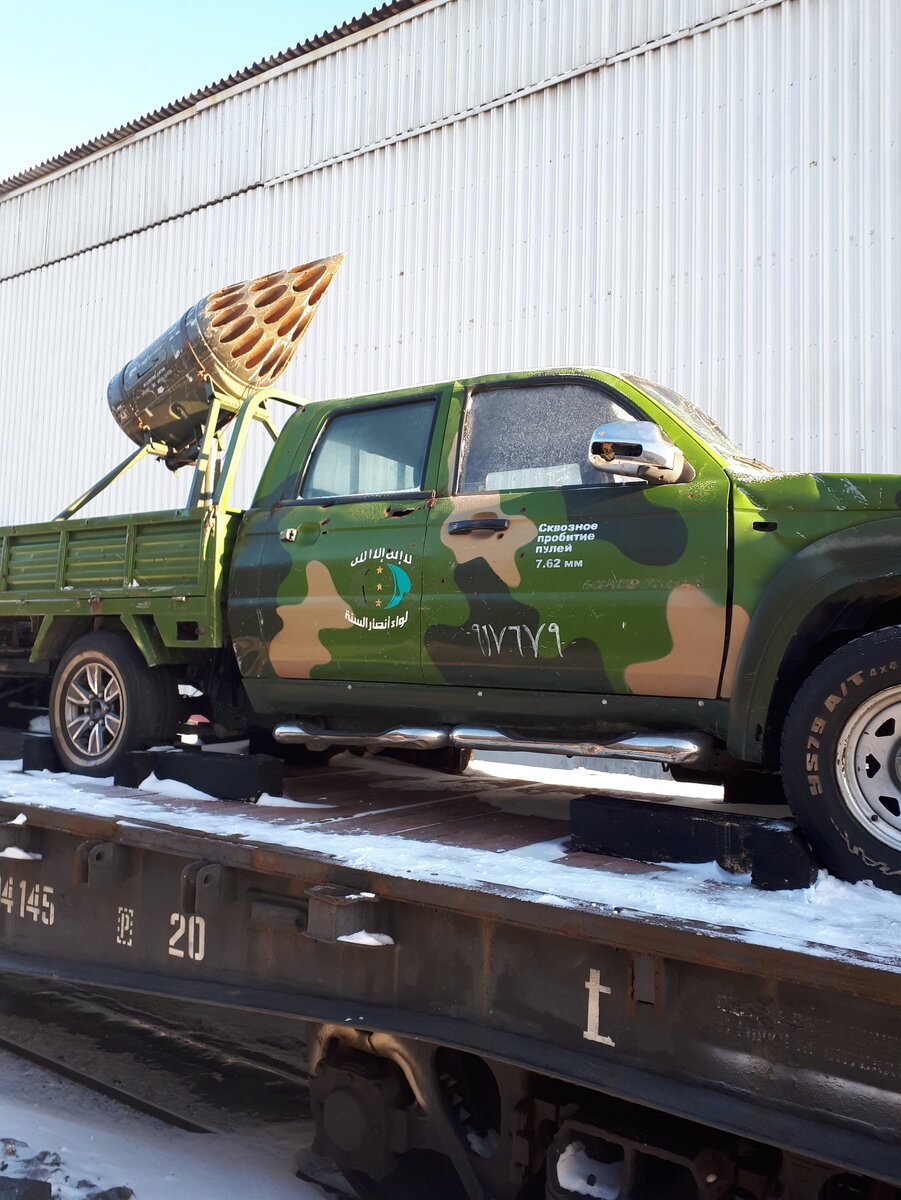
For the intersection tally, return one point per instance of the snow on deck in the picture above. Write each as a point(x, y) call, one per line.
point(459, 834)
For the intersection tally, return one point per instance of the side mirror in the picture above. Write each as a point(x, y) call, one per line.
point(639, 449)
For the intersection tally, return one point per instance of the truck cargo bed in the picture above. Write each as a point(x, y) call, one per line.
point(165, 564)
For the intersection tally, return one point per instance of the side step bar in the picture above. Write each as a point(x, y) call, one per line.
point(688, 748)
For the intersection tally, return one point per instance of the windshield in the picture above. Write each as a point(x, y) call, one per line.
point(695, 418)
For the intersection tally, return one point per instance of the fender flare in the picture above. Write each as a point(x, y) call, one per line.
point(835, 572)
point(59, 630)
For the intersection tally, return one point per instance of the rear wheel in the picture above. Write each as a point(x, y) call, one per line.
point(105, 702)
point(841, 759)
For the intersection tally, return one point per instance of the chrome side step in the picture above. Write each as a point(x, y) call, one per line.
point(688, 748)
point(678, 748)
point(408, 737)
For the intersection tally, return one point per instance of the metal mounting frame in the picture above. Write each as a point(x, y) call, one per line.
point(214, 464)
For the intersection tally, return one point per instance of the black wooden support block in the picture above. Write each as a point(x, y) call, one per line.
point(771, 849)
point(39, 753)
point(24, 1189)
point(226, 776)
point(781, 858)
point(132, 769)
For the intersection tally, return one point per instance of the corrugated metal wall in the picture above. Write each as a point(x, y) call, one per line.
point(700, 190)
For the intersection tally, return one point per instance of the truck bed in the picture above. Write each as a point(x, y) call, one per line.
point(165, 564)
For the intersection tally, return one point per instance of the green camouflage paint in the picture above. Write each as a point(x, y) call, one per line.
point(600, 589)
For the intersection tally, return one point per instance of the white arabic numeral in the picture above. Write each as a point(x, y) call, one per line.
point(196, 938)
point(6, 895)
point(31, 906)
point(193, 929)
point(48, 909)
point(178, 920)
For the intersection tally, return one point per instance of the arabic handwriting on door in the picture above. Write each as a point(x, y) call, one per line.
point(526, 641)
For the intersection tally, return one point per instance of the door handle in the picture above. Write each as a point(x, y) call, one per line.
point(493, 524)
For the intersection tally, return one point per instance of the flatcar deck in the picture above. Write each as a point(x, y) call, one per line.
point(450, 911)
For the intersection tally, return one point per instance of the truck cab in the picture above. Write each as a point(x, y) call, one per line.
point(462, 538)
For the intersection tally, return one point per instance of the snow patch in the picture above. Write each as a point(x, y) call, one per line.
point(485, 1146)
point(82, 1143)
point(578, 1172)
point(364, 938)
point(267, 801)
point(173, 788)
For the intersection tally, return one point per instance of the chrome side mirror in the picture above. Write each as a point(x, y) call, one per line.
point(639, 449)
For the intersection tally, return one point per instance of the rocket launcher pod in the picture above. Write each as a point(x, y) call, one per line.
point(236, 341)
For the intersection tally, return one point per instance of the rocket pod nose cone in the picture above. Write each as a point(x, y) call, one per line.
point(239, 340)
point(253, 328)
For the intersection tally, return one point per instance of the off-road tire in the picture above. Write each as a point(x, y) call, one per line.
point(105, 702)
point(841, 759)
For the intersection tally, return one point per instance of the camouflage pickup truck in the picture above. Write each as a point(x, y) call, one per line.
point(577, 560)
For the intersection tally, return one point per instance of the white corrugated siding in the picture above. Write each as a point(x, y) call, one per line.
point(699, 190)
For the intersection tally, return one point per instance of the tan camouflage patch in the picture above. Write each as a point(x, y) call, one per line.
point(740, 623)
point(697, 626)
point(297, 648)
point(498, 549)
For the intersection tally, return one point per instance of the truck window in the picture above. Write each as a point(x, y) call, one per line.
point(371, 451)
point(525, 437)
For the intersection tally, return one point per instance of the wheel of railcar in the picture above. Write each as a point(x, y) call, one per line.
point(105, 701)
point(841, 759)
point(367, 1120)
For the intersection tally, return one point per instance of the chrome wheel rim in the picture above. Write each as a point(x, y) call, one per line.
point(93, 710)
point(869, 766)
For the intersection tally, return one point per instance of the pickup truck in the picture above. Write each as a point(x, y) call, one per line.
point(571, 560)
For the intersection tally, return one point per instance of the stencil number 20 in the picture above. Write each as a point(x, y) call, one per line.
point(191, 931)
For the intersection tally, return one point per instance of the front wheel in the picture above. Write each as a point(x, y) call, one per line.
point(105, 701)
point(841, 759)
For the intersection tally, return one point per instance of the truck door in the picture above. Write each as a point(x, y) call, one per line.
point(340, 566)
point(543, 574)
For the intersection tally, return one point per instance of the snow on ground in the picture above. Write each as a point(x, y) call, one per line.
point(585, 777)
point(82, 1144)
point(829, 918)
